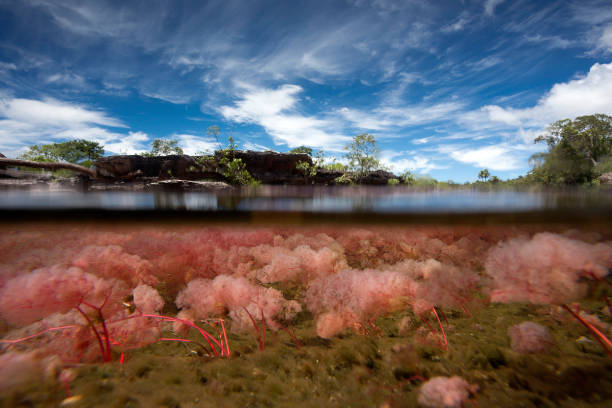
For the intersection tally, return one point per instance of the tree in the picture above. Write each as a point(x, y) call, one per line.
point(214, 131)
point(362, 154)
point(164, 147)
point(302, 149)
point(576, 149)
point(78, 151)
point(408, 178)
point(484, 174)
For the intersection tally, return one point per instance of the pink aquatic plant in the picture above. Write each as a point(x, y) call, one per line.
point(545, 269)
point(203, 298)
point(42, 292)
point(548, 269)
point(299, 264)
point(353, 297)
point(445, 392)
point(113, 262)
point(530, 337)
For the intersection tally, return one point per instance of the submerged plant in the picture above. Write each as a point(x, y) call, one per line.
point(548, 269)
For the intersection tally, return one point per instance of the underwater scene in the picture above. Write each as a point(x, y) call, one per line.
point(285, 309)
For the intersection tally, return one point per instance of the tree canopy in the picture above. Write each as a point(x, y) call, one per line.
point(164, 147)
point(78, 151)
point(576, 150)
point(301, 149)
point(484, 174)
point(362, 154)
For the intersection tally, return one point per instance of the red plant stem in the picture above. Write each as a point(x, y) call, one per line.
point(599, 336)
point(443, 315)
point(441, 328)
point(595, 277)
point(260, 340)
point(432, 330)
point(609, 306)
point(263, 329)
point(104, 328)
point(292, 335)
point(222, 335)
point(465, 311)
point(207, 336)
point(203, 332)
point(375, 329)
point(31, 336)
point(227, 349)
point(105, 357)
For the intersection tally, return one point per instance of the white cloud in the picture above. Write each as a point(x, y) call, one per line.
point(53, 112)
point(69, 79)
point(248, 145)
point(396, 116)
point(193, 145)
point(553, 41)
point(494, 157)
point(27, 121)
point(605, 40)
point(7, 66)
point(422, 140)
point(583, 96)
point(457, 25)
point(260, 103)
point(132, 143)
point(485, 63)
point(399, 162)
point(274, 110)
point(489, 6)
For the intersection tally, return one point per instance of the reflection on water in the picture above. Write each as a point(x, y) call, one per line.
point(325, 200)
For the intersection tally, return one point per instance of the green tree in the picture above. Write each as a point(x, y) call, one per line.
point(164, 147)
point(576, 150)
point(408, 177)
point(79, 151)
point(301, 149)
point(362, 154)
point(484, 174)
point(214, 131)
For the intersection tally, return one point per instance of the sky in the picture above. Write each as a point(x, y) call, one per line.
point(446, 87)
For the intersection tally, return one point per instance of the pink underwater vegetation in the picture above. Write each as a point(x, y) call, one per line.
point(438, 284)
point(299, 264)
point(42, 292)
point(352, 297)
point(545, 269)
point(235, 295)
point(113, 262)
point(530, 337)
point(445, 392)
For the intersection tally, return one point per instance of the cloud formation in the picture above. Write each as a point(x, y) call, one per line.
point(275, 111)
point(29, 121)
point(589, 94)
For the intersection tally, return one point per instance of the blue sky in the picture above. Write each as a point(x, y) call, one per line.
point(446, 87)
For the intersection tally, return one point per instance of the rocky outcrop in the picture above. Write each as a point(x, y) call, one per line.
point(187, 185)
point(128, 167)
point(606, 179)
point(268, 167)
